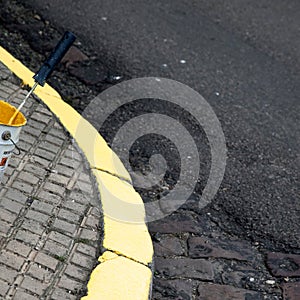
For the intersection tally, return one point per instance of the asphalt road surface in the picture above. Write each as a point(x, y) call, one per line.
point(243, 57)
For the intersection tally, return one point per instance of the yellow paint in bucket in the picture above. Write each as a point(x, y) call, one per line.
point(7, 111)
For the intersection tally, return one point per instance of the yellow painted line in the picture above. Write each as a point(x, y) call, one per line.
point(123, 272)
point(113, 272)
point(125, 230)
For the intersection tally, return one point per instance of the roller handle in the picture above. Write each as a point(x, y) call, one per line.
point(55, 57)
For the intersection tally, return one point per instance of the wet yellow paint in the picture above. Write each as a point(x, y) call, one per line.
point(125, 230)
point(7, 111)
point(119, 278)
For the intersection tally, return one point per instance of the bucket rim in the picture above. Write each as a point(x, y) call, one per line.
point(20, 124)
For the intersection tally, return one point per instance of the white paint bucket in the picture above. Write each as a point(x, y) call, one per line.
point(9, 133)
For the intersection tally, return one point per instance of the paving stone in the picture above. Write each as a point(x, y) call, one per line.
point(4, 286)
point(27, 237)
point(73, 55)
point(24, 146)
point(92, 221)
point(168, 245)
point(23, 295)
point(16, 195)
point(45, 145)
point(55, 188)
point(33, 285)
point(96, 211)
point(64, 170)
point(41, 118)
point(250, 277)
point(58, 132)
point(177, 223)
point(76, 272)
point(8, 174)
point(56, 249)
point(172, 289)
point(88, 234)
point(86, 249)
point(39, 161)
point(49, 197)
point(69, 216)
point(33, 226)
point(36, 170)
point(291, 291)
point(7, 274)
point(69, 162)
point(7, 216)
point(60, 294)
point(284, 265)
point(59, 179)
point(75, 206)
point(22, 186)
point(217, 248)
point(64, 226)
point(184, 268)
point(11, 205)
point(12, 260)
point(4, 227)
point(42, 206)
point(32, 131)
point(84, 187)
point(36, 271)
point(208, 291)
point(54, 140)
point(70, 284)
point(28, 139)
point(28, 177)
point(35, 124)
point(82, 260)
point(72, 153)
point(60, 238)
point(44, 110)
point(14, 161)
point(37, 216)
point(84, 177)
point(78, 197)
point(18, 248)
point(46, 261)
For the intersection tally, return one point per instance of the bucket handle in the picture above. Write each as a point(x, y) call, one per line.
point(19, 150)
point(6, 136)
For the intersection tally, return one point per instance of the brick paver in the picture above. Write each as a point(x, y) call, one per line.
point(49, 210)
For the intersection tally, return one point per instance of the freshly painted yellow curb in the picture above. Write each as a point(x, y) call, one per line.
point(123, 272)
point(125, 230)
point(113, 272)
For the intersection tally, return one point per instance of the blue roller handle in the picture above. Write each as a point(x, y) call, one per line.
point(55, 57)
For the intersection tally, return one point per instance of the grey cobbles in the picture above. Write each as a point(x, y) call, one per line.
point(185, 268)
point(4, 286)
point(46, 250)
point(195, 259)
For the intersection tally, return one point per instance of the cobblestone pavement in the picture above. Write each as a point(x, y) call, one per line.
point(194, 259)
point(49, 216)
